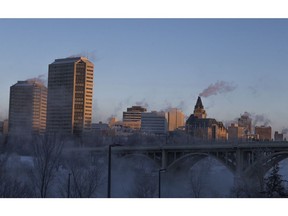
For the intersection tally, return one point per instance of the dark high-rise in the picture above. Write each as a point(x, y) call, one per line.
point(27, 108)
point(70, 92)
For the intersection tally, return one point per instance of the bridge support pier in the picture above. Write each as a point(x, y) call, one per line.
point(238, 178)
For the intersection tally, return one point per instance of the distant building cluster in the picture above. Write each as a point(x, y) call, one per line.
point(65, 106)
point(137, 119)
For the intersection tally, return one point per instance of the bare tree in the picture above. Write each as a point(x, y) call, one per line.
point(10, 186)
point(145, 179)
point(85, 177)
point(13, 188)
point(47, 155)
point(198, 177)
point(145, 185)
point(247, 189)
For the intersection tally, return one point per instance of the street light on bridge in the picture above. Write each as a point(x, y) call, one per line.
point(159, 181)
point(109, 169)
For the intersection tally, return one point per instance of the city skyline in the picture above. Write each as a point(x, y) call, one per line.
point(159, 63)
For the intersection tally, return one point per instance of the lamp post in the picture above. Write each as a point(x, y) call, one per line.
point(68, 191)
point(159, 181)
point(109, 169)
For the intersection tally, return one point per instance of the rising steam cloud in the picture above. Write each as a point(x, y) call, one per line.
point(285, 131)
point(41, 78)
point(258, 119)
point(142, 103)
point(217, 88)
point(261, 119)
point(91, 55)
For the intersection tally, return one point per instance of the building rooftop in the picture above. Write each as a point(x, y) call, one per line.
point(30, 82)
point(70, 60)
point(207, 122)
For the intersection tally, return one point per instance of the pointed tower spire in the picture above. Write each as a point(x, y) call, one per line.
point(199, 103)
point(199, 110)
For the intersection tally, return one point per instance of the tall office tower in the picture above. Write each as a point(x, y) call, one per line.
point(70, 92)
point(154, 122)
point(175, 119)
point(132, 118)
point(27, 108)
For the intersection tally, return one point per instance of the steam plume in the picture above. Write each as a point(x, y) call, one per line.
point(258, 118)
point(90, 55)
point(217, 88)
point(142, 103)
point(285, 131)
point(261, 119)
point(41, 78)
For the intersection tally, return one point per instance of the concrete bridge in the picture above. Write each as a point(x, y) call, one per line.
point(245, 160)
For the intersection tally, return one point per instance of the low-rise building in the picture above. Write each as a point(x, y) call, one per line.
point(278, 136)
point(264, 132)
point(154, 122)
point(236, 133)
point(132, 117)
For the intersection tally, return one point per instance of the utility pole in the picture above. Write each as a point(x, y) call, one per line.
point(68, 191)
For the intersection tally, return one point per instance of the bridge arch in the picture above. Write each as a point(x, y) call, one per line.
point(198, 157)
point(266, 163)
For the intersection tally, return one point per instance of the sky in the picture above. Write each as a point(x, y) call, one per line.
point(159, 63)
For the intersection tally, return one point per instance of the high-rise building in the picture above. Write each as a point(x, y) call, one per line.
point(154, 122)
point(132, 118)
point(70, 92)
point(175, 119)
point(27, 107)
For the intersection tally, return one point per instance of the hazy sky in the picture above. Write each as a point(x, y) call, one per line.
point(159, 62)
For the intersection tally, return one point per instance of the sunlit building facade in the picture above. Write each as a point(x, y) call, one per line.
point(27, 108)
point(264, 132)
point(236, 133)
point(176, 119)
point(70, 92)
point(132, 117)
